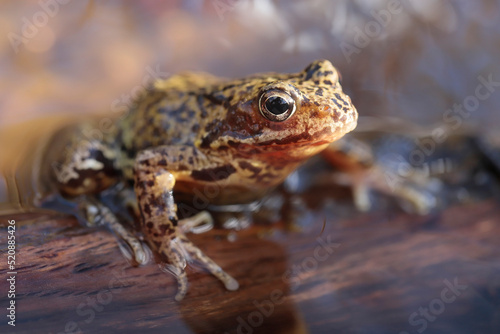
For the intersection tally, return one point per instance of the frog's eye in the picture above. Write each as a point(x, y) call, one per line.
point(276, 105)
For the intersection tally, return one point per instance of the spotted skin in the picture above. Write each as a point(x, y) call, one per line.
point(195, 131)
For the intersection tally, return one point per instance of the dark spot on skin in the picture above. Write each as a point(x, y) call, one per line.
point(150, 183)
point(147, 210)
point(316, 103)
point(229, 86)
point(162, 162)
point(213, 174)
point(316, 82)
point(195, 128)
point(201, 104)
point(211, 125)
point(345, 109)
point(206, 141)
point(156, 132)
point(297, 91)
point(149, 224)
point(248, 166)
point(173, 219)
point(156, 202)
point(328, 82)
point(339, 97)
point(181, 157)
point(335, 116)
point(190, 160)
point(319, 92)
point(310, 70)
point(166, 229)
point(214, 130)
point(217, 99)
point(337, 103)
point(327, 73)
point(262, 177)
point(141, 185)
point(155, 97)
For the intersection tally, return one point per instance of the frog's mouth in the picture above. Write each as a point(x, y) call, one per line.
point(322, 137)
point(285, 149)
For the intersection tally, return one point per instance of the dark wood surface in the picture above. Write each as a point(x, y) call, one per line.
point(382, 268)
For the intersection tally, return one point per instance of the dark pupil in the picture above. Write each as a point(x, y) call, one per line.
point(277, 105)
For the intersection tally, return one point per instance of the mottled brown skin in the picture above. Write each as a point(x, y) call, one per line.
point(198, 136)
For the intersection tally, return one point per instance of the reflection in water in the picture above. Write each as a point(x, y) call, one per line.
point(262, 306)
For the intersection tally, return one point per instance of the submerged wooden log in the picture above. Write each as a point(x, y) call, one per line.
point(371, 273)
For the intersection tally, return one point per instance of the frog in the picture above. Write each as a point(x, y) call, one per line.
point(197, 136)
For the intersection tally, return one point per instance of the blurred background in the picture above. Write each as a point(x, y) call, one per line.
point(433, 64)
point(407, 59)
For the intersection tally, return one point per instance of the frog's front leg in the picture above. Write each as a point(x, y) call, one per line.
point(154, 183)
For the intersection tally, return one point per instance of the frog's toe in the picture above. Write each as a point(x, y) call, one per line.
point(420, 201)
point(231, 284)
point(176, 256)
point(133, 250)
point(361, 194)
point(180, 295)
point(180, 275)
point(130, 246)
point(196, 254)
point(140, 254)
point(200, 223)
point(182, 285)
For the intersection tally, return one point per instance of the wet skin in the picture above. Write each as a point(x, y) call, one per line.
point(196, 135)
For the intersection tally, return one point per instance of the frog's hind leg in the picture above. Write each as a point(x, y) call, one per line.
point(81, 170)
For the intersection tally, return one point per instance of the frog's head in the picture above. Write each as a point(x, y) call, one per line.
point(286, 117)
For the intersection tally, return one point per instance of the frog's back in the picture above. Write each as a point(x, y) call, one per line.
point(170, 112)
